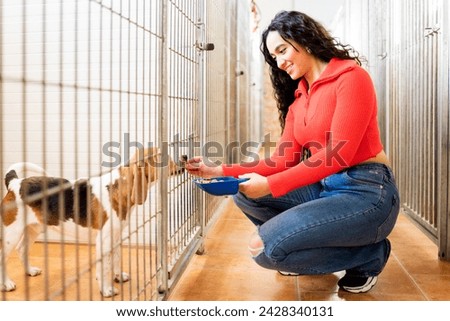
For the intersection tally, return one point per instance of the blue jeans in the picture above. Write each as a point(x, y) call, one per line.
point(339, 223)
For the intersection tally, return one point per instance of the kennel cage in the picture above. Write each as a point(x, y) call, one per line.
point(84, 84)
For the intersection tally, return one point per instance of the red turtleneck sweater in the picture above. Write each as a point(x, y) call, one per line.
point(336, 120)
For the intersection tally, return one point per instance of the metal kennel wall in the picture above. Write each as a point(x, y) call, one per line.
point(233, 70)
point(413, 105)
point(406, 43)
point(83, 84)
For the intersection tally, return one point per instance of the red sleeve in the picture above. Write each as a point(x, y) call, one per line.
point(287, 154)
point(355, 106)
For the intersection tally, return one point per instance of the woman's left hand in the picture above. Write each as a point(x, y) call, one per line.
point(256, 186)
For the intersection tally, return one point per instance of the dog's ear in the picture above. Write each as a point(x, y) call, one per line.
point(138, 170)
point(140, 182)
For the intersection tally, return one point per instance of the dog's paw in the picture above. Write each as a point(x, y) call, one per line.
point(33, 271)
point(122, 277)
point(8, 285)
point(108, 292)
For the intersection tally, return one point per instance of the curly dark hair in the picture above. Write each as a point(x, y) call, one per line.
point(308, 33)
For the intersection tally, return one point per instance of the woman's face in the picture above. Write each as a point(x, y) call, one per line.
point(290, 56)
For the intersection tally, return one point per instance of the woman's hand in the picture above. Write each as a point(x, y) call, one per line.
point(257, 186)
point(203, 167)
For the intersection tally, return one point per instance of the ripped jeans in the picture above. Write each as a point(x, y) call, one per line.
point(339, 223)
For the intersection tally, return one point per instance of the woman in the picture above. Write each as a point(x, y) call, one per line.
point(333, 210)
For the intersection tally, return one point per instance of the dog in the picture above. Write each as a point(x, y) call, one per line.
point(101, 203)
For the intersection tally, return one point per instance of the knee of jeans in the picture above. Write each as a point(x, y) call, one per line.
point(256, 245)
point(239, 199)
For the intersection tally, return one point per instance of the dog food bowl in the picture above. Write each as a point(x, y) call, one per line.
point(223, 185)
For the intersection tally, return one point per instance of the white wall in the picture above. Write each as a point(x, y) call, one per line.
point(350, 25)
point(321, 10)
point(345, 19)
point(69, 84)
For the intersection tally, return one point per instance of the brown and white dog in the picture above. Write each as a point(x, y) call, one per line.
point(100, 203)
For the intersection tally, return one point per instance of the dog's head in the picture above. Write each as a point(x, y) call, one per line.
point(132, 186)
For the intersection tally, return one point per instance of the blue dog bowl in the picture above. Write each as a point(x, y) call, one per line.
point(223, 185)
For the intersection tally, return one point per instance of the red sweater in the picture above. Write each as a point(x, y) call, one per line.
point(336, 120)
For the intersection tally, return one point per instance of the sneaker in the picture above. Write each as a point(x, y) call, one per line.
point(288, 273)
point(360, 284)
point(357, 284)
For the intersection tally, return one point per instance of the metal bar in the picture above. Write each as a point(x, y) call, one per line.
point(89, 129)
point(421, 99)
point(163, 112)
point(25, 124)
point(44, 138)
point(76, 150)
point(2, 254)
point(442, 133)
point(143, 246)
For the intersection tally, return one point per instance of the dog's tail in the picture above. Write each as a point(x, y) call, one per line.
point(23, 169)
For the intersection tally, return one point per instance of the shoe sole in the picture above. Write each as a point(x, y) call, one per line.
point(371, 281)
point(288, 273)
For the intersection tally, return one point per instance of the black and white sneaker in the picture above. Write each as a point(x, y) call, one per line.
point(357, 284)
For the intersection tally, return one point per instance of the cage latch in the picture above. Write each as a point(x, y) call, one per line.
point(204, 46)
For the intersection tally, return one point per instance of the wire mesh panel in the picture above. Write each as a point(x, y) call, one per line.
point(184, 20)
point(204, 98)
point(216, 118)
point(231, 121)
point(99, 102)
point(81, 93)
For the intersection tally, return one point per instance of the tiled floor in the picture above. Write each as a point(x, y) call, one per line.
point(226, 271)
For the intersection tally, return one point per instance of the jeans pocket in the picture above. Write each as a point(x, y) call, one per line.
point(387, 226)
point(366, 176)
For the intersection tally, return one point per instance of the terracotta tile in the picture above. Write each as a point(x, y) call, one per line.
point(393, 284)
point(226, 271)
point(223, 261)
point(415, 251)
point(346, 296)
point(71, 272)
point(320, 296)
point(231, 211)
point(422, 262)
point(230, 229)
point(398, 282)
point(236, 243)
point(226, 254)
point(408, 234)
point(319, 283)
point(374, 296)
point(233, 285)
point(434, 287)
point(229, 236)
